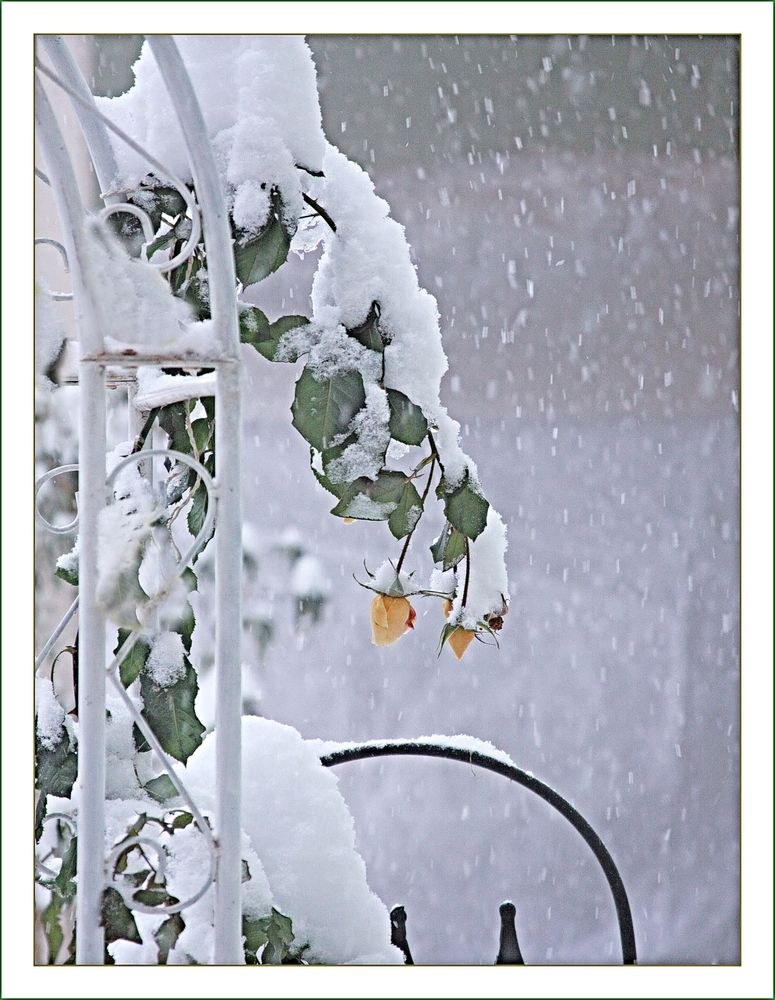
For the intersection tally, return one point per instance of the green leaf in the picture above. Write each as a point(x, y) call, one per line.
point(322, 409)
point(198, 511)
point(154, 897)
point(187, 623)
point(449, 548)
point(68, 573)
point(182, 820)
point(407, 422)
point(265, 337)
point(117, 919)
point(131, 666)
point(170, 713)
point(161, 788)
point(52, 927)
point(368, 333)
point(263, 254)
point(167, 935)
point(446, 632)
point(173, 420)
point(255, 934)
point(55, 774)
point(64, 884)
point(273, 933)
point(408, 512)
point(465, 507)
point(374, 500)
point(203, 432)
point(170, 201)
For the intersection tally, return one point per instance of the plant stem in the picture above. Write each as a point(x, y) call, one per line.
point(405, 549)
point(468, 575)
point(320, 210)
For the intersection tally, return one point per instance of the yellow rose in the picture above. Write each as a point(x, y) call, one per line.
point(460, 640)
point(390, 618)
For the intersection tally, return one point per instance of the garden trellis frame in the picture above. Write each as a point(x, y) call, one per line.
point(99, 366)
point(95, 365)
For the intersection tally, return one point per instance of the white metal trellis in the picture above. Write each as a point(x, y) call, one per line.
point(60, 68)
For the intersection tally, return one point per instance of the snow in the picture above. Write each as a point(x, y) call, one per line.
point(154, 388)
point(135, 308)
point(258, 95)
point(68, 561)
point(366, 456)
point(165, 661)
point(469, 744)
point(488, 585)
point(298, 824)
point(50, 716)
point(49, 330)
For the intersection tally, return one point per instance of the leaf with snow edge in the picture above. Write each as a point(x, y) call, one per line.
point(263, 254)
point(67, 568)
point(173, 421)
point(373, 499)
point(198, 511)
point(170, 713)
point(180, 231)
point(408, 512)
point(449, 548)
point(182, 820)
point(55, 773)
point(130, 667)
point(325, 458)
point(464, 506)
point(322, 409)
point(154, 896)
point(265, 337)
point(161, 788)
point(273, 933)
point(407, 422)
point(167, 934)
point(117, 919)
point(187, 623)
point(369, 333)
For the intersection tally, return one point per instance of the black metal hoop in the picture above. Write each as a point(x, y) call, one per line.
point(516, 774)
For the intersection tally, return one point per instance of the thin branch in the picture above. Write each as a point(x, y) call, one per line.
point(468, 575)
point(320, 210)
point(405, 549)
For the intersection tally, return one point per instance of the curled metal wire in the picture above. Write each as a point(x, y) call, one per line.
point(40, 868)
point(57, 529)
point(47, 241)
point(196, 221)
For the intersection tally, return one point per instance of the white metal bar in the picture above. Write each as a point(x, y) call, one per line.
point(94, 131)
point(91, 460)
point(228, 565)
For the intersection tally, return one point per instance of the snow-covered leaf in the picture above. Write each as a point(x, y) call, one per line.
point(256, 330)
point(407, 422)
point(324, 408)
point(263, 254)
point(449, 548)
point(369, 333)
point(465, 507)
point(170, 713)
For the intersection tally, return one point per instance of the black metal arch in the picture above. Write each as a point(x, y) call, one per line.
point(513, 773)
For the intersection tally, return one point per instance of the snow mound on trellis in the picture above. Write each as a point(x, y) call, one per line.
point(258, 95)
point(299, 826)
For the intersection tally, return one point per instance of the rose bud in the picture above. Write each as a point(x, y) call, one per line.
point(390, 618)
point(460, 640)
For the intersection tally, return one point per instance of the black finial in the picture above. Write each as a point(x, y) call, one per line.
point(398, 933)
point(508, 952)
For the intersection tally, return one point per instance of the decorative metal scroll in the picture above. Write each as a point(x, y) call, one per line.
point(516, 774)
